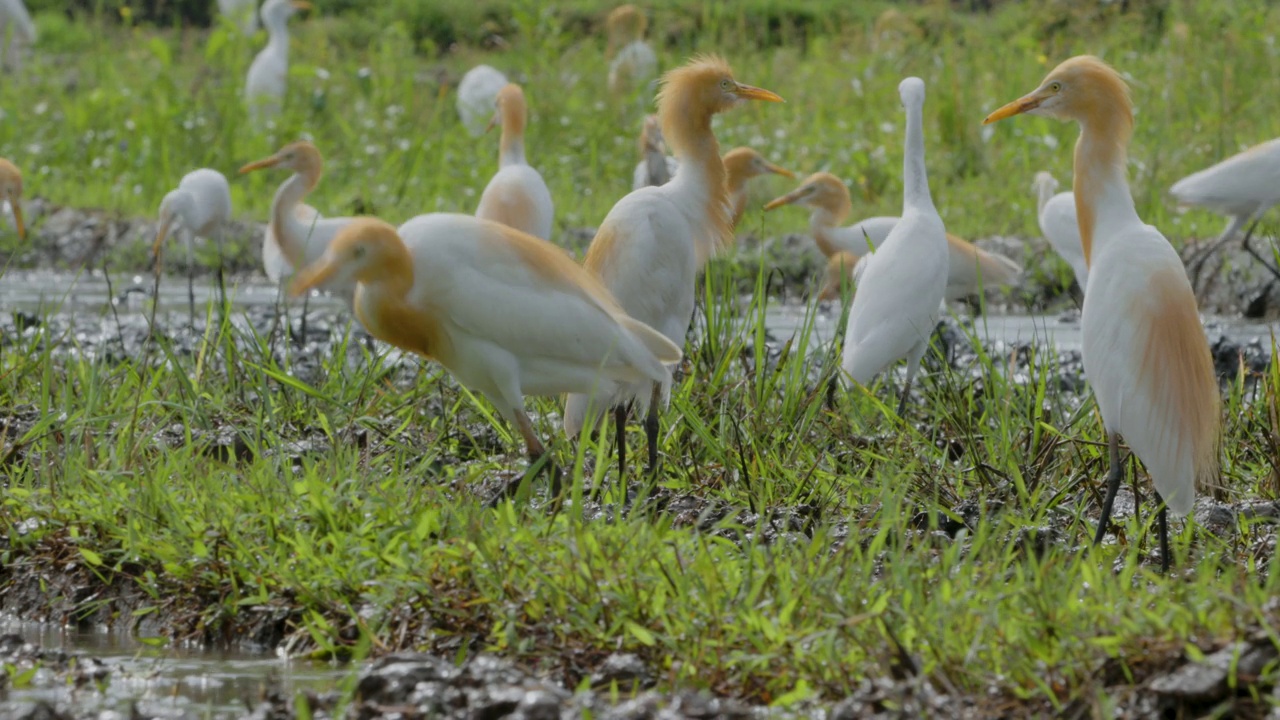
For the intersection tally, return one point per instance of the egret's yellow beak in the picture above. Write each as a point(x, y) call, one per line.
point(314, 275)
point(787, 199)
point(1017, 107)
point(265, 162)
point(160, 236)
point(779, 170)
point(747, 92)
point(17, 217)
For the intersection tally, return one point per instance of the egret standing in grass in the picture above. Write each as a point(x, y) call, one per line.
point(478, 97)
point(17, 32)
point(200, 206)
point(1145, 352)
point(634, 63)
point(654, 241)
point(268, 77)
point(507, 314)
point(517, 196)
point(1057, 215)
point(1244, 187)
point(11, 194)
point(297, 234)
point(656, 167)
point(970, 268)
point(740, 165)
point(896, 306)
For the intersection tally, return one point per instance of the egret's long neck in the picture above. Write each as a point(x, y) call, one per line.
point(701, 179)
point(291, 233)
point(825, 219)
point(382, 305)
point(1101, 190)
point(278, 35)
point(511, 149)
point(915, 184)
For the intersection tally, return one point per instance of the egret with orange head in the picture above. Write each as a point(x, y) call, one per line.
point(654, 241)
point(741, 164)
point(1145, 351)
point(634, 63)
point(517, 196)
point(505, 313)
point(200, 206)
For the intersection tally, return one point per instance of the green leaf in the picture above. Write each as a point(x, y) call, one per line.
point(91, 557)
point(640, 633)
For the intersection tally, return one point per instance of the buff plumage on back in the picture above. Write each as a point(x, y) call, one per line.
point(686, 127)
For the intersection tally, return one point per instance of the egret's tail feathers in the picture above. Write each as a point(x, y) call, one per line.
point(997, 269)
point(655, 342)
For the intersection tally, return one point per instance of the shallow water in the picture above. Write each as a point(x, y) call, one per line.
point(164, 682)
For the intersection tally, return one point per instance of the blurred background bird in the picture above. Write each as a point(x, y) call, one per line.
point(268, 77)
point(516, 196)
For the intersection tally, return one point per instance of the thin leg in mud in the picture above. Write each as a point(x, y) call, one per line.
point(620, 413)
point(222, 287)
point(1113, 486)
point(191, 276)
point(538, 459)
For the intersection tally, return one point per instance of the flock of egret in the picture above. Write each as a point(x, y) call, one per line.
point(510, 315)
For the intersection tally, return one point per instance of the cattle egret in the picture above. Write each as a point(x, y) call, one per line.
point(1057, 213)
point(652, 243)
point(634, 63)
point(200, 206)
point(507, 314)
point(17, 32)
point(11, 194)
point(896, 306)
point(242, 13)
point(478, 97)
point(970, 268)
point(1243, 187)
point(740, 165)
point(1144, 349)
point(516, 196)
point(656, 167)
point(268, 74)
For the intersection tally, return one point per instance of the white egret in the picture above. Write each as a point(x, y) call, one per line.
point(268, 77)
point(1145, 351)
point(896, 306)
point(652, 243)
point(1057, 214)
point(634, 63)
point(200, 206)
point(478, 97)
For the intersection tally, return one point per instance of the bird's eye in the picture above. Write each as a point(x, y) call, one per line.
point(358, 252)
point(1055, 86)
point(726, 84)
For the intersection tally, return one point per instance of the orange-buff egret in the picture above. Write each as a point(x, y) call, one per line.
point(478, 97)
point(634, 62)
point(516, 196)
point(200, 206)
point(654, 241)
point(970, 268)
point(17, 32)
point(11, 194)
point(740, 165)
point(242, 13)
point(1243, 187)
point(656, 167)
point(897, 303)
point(268, 77)
point(1144, 349)
point(507, 314)
point(1057, 214)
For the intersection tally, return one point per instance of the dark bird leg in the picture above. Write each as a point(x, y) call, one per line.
point(651, 428)
point(1163, 523)
point(1113, 486)
point(538, 457)
point(620, 441)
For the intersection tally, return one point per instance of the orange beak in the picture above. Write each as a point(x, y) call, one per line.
point(1017, 107)
point(312, 276)
point(17, 217)
point(265, 162)
point(747, 92)
point(779, 170)
point(787, 199)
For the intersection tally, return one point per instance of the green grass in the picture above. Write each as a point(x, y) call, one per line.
point(818, 540)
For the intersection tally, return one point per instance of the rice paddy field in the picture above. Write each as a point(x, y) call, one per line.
point(236, 484)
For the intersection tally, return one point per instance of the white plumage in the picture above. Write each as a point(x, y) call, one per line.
point(17, 32)
point(200, 206)
point(478, 97)
point(268, 76)
point(896, 306)
point(1057, 215)
point(516, 196)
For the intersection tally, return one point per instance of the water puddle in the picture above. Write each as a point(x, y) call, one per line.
point(164, 682)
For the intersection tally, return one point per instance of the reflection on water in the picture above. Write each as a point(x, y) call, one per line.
point(164, 682)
